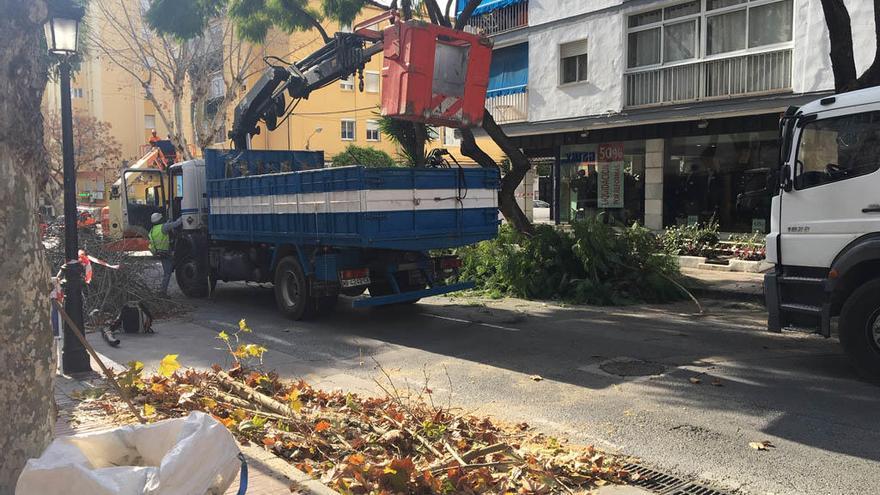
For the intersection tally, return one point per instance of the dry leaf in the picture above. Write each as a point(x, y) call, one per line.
point(695, 380)
point(321, 426)
point(717, 382)
point(537, 378)
point(764, 445)
point(168, 365)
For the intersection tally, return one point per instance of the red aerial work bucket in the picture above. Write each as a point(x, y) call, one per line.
point(434, 74)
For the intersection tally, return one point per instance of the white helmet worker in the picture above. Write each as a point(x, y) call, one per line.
point(156, 218)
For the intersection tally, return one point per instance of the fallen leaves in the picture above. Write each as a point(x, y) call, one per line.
point(388, 444)
point(762, 445)
point(695, 380)
point(168, 365)
point(536, 378)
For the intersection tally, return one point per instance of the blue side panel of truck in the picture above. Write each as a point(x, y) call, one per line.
point(284, 197)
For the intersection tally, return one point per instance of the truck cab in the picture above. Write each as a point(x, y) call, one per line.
point(825, 224)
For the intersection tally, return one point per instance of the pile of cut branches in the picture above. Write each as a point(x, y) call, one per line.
point(136, 279)
point(357, 445)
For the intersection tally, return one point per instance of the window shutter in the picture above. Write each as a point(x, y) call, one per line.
point(573, 49)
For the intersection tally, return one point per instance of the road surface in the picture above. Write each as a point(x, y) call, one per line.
point(792, 389)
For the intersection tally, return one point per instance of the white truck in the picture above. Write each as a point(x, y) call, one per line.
point(825, 224)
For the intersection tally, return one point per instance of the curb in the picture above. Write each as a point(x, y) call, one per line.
point(271, 465)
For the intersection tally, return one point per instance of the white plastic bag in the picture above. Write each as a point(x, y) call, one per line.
point(188, 456)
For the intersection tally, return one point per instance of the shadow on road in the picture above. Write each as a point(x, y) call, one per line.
point(803, 383)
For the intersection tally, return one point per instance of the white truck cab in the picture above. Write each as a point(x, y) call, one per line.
point(825, 224)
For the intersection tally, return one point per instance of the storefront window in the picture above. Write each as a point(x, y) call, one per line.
point(602, 177)
point(721, 177)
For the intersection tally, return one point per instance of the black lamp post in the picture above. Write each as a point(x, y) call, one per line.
point(62, 30)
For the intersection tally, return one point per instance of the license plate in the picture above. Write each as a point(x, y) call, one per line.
point(355, 282)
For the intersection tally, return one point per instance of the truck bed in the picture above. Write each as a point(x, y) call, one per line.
point(382, 208)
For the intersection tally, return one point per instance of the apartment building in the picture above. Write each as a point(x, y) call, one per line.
point(661, 112)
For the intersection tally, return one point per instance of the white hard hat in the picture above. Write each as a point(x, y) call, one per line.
point(156, 217)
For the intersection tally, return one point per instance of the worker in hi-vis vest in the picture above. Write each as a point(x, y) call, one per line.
point(160, 245)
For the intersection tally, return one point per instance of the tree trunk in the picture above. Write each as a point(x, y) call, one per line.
point(519, 167)
point(840, 33)
point(177, 135)
point(26, 362)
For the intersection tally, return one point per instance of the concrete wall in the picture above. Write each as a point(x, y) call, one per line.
point(602, 92)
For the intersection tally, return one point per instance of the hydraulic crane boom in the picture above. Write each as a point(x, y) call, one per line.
point(344, 55)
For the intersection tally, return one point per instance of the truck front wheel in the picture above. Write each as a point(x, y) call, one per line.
point(192, 277)
point(860, 329)
point(293, 291)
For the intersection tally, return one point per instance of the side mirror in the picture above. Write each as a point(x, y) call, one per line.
point(785, 178)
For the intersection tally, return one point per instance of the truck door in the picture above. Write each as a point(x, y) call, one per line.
point(143, 194)
point(835, 186)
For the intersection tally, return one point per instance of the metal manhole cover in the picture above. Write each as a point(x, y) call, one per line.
point(632, 367)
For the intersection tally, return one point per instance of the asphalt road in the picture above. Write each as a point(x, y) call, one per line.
point(794, 390)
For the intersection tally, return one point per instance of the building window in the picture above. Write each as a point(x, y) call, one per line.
point(372, 130)
point(218, 86)
point(672, 34)
point(77, 92)
point(451, 136)
point(371, 81)
point(149, 122)
point(347, 84)
point(348, 130)
point(593, 180)
point(573, 62)
point(705, 179)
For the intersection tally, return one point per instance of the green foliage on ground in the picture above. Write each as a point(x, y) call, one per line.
point(595, 263)
point(692, 240)
point(363, 155)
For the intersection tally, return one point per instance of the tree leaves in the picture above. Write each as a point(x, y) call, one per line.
point(168, 365)
point(762, 445)
point(183, 19)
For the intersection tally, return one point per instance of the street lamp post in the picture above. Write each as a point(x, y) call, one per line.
point(62, 29)
point(316, 131)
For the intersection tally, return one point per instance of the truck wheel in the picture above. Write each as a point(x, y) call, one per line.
point(292, 290)
point(192, 278)
point(860, 329)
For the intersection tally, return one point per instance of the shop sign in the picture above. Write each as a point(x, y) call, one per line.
point(610, 168)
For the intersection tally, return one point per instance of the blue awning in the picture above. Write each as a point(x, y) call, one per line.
point(485, 5)
point(509, 71)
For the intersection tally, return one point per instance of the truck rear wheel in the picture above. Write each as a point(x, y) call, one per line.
point(293, 291)
point(192, 277)
point(860, 329)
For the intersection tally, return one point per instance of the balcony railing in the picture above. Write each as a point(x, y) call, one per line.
point(768, 72)
point(507, 109)
point(500, 20)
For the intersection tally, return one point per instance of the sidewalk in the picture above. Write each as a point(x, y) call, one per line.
point(267, 474)
point(739, 286)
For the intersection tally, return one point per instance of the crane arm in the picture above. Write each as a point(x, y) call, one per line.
point(344, 55)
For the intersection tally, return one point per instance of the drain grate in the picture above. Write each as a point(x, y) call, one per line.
point(667, 484)
point(695, 489)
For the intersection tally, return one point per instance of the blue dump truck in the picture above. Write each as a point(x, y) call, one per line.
point(317, 233)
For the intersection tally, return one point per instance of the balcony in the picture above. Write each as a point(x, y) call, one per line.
point(500, 20)
point(509, 108)
point(753, 74)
